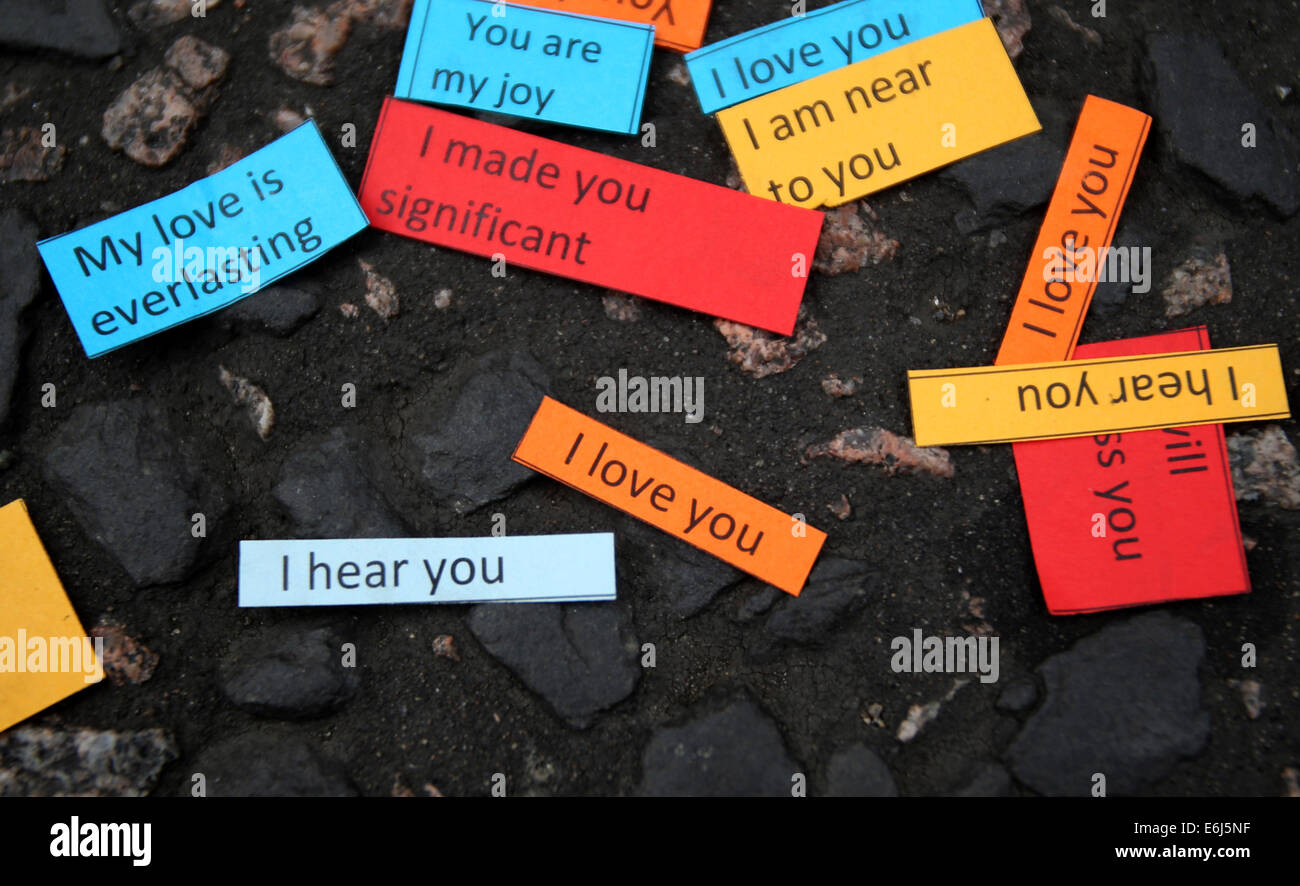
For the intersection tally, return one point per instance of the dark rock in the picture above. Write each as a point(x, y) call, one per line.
point(856, 771)
point(1201, 105)
point(463, 454)
point(134, 488)
point(736, 752)
point(25, 156)
point(660, 565)
point(268, 764)
point(1018, 696)
point(1012, 179)
point(288, 673)
point(20, 269)
point(836, 590)
point(327, 485)
point(1125, 702)
point(1110, 295)
point(279, 310)
point(758, 603)
point(36, 762)
point(78, 27)
point(1265, 467)
point(581, 658)
point(991, 781)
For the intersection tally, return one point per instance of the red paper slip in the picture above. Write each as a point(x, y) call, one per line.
point(1131, 519)
point(541, 204)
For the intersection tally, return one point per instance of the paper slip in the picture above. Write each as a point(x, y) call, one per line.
point(1042, 401)
point(1133, 518)
point(851, 132)
point(45, 656)
point(452, 181)
point(593, 458)
point(678, 24)
point(206, 246)
point(527, 62)
point(798, 47)
point(1072, 249)
point(355, 571)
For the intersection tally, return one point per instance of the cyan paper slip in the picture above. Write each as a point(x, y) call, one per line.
point(783, 53)
point(206, 246)
point(561, 67)
point(353, 571)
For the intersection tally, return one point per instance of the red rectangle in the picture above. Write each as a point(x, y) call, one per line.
point(1163, 500)
point(489, 190)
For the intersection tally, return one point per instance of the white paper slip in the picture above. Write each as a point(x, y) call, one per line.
point(359, 571)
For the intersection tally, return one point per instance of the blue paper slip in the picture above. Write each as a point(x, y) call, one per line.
point(206, 246)
point(561, 67)
point(354, 571)
point(794, 49)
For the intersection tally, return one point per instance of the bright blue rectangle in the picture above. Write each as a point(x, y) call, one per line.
point(797, 48)
point(508, 569)
point(257, 220)
point(528, 62)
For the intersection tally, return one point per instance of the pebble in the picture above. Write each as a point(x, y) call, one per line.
point(267, 764)
point(761, 353)
point(1201, 104)
point(662, 566)
point(157, 13)
point(305, 47)
point(889, 451)
point(1124, 702)
point(288, 673)
point(1264, 467)
point(462, 453)
point(1203, 279)
point(734, 752)
point(261, 412)
point(327, 486)
point(856, 771)
point(381, 294)
point(43, 762)
point(126, 659)
point(834, 386)
point(20, 270)
point(78, 27)
point(279, 310)
point(133, 487)
point(620, 307)
point(851, 239)
point(581, 658)
point(1011, 18)
point(199, 64)
point(1018, 696)
point(25, 158)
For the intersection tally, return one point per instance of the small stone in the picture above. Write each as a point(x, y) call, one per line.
point(78, 27)
point(288, 673)
point(1264, 467)
point(38, 762)
point(199, 64)
point(871, 715)
point(391, 15)
point(20, 269)
point(580, 658)
point(349, 310)
point(1291, 780)
point(305, 47)
point(1011, 18)
point(125, 660)
point(287, 119)
point(1018, 696)
point(877, 446)
point(1125, 701)
point(1215, 124)
point(1088, 34)
point(736, 752)
point(679, 74)
point(1283, 92)
point(834, 386)
point(761, 353)
point(442, 299)
point(851, 238)
point(134, 488)
point(920, 715)
point(836, 591)
point(152, 119)
point(13, 94)
point(25, 158)
point(279, 310)
point(269, 764)
point(381, 295)
point(260, 410)
point(663, 566)
point(157, 13)
point(1252, 696)
point(444, 646)
point(329, 489)
point(856, 771)
point(1204, 279)
point(620, 307)
point(462, 453)
point(226, 156)
point(841, 510)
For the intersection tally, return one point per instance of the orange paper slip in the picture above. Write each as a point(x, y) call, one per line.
point(1073, 245)
point(566, 445)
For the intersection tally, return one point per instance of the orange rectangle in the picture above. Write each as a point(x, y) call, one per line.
point(1076, 234)
point(679, 24)
point(593, 458)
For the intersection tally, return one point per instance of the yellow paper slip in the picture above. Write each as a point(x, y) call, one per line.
point(877, 122)
point(45, 656)
point(1042, 401)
